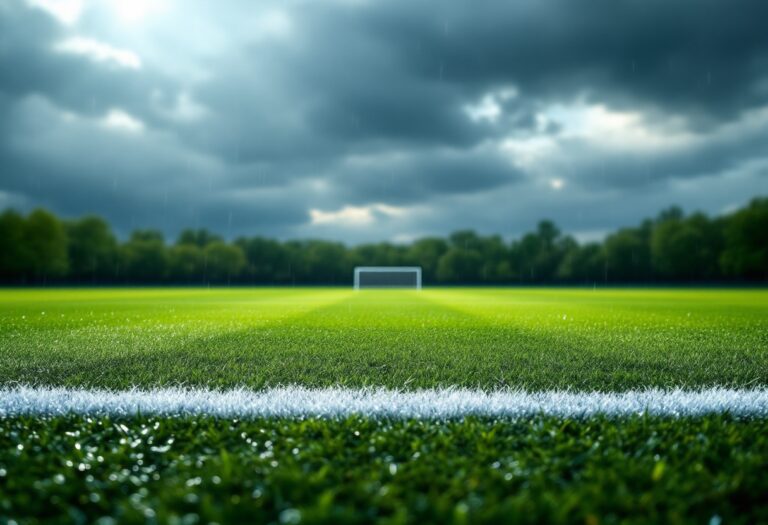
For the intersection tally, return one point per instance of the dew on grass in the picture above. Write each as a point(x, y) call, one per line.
point(290, 516)
point(194, 481)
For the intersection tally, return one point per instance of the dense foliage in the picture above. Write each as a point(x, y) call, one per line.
point(360, 470)
point(40, 248)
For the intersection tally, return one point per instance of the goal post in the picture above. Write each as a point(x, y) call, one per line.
point(388, 277)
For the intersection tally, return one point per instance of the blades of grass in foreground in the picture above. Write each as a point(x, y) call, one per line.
point(360, 470)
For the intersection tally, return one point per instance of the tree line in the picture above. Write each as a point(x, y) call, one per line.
point(40, 248)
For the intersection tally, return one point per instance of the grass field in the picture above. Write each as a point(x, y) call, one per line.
point(144, 468)
point(536, 339)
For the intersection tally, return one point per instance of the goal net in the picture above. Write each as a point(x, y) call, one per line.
point(388, 277)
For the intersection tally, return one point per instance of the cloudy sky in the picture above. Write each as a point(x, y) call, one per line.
point(367, 120)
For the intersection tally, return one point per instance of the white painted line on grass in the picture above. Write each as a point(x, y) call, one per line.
point(297, 401)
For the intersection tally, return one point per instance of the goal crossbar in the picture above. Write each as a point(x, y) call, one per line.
point(375, 277)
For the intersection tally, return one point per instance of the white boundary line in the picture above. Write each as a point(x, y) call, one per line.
point(297, 401)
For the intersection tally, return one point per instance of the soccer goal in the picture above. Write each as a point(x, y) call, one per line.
point(388, 277)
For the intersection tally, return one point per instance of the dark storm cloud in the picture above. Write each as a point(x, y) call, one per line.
point(410, 179)
point(623, 170)
point(245, 117)
point(692, 56)
point(30, 65)
point(117, 174)
point(330, 92)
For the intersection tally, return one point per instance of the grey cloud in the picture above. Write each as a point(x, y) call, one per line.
point(516, 209)
point(701, 58)
point(412, 178)
point(593, 166)
point(134, 181)
point(30, 66)
point(370, 99)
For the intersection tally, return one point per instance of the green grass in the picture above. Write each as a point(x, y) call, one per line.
point(532, 338)
point(634, 470)
point(357, 470)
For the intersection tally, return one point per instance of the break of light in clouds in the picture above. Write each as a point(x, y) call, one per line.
point(381, 120)
point(99, 52)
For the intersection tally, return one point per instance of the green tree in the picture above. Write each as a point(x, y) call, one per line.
point(92, 249)
point(326, 263)
point(186, 263)
point(463, 262)
point(459, 265)
point(537, 256)
point(200, 237)
point(426, 253)
point(746, 242)
point(495, 254)
point(224, 262)
point(628, 255)
point(379, 254)
point(45, 244)
point(582, 264)
point(267, 261)
point(145, 257)
point(14, 260)
point(672, 246)
point(686, 248)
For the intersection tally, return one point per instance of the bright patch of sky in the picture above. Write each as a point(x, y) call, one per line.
point(355, 215)
point(65, 11)
point(119, 120)
point(489, 108)
point(99, 52)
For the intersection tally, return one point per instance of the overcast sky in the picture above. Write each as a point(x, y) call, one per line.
point(365, 120)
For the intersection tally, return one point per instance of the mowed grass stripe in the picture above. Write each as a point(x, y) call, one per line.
point(610, 340)
point(300, 402)
point(121, 338)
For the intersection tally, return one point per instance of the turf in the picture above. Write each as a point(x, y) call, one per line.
point(533, 469)
point(489, 338)
point(358, 470)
